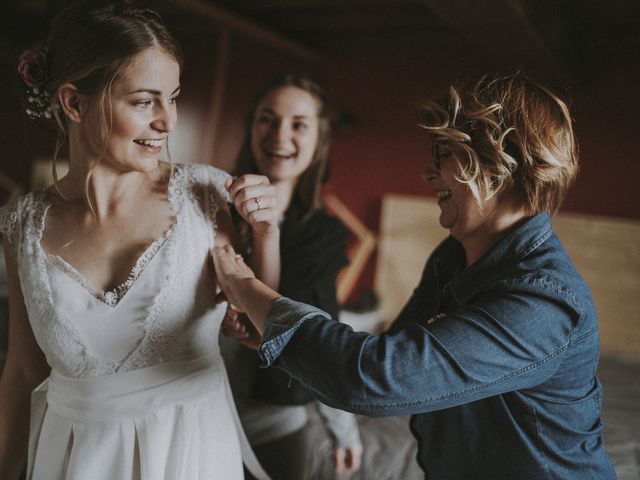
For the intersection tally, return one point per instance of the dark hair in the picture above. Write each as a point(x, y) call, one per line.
point(508, 131)
point(309, 186)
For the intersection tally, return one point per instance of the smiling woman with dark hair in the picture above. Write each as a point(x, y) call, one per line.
point(287, 140)
point(495, 352)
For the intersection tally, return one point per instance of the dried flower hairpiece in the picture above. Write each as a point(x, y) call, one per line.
point(32, 69)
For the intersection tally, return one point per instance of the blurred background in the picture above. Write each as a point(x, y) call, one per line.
point(377, 59)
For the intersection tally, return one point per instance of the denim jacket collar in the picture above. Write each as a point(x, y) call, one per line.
point(496, 262)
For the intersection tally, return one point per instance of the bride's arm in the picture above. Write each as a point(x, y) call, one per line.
point(24, 369)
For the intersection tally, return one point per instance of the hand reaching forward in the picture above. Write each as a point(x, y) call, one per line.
point(255, 200)
point(243, 291)
point(231, 272)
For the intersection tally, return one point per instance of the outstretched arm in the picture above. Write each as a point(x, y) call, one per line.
point(242, 289)
point(479, 351)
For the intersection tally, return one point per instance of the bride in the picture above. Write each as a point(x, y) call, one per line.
point(113, 322)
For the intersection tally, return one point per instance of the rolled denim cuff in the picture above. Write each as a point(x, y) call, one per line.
point(284, 318)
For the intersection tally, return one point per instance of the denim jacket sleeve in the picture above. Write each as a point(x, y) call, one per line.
point(502, 341)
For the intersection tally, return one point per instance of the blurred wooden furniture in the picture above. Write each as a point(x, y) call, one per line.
point(359, 253)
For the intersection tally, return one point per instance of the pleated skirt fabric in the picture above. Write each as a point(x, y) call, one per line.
point(173, 421)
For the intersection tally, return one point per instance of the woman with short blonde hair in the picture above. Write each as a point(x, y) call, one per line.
point(507, 132)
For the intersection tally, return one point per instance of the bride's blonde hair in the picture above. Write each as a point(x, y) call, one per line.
point(89, 45)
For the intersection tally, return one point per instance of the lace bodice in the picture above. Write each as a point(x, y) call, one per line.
point(175, 315)
point(113, 296)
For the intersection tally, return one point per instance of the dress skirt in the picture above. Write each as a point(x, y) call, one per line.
point(171, 421)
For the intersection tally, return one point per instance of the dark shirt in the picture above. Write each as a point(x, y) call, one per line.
point(313, 251)
point(495, 361)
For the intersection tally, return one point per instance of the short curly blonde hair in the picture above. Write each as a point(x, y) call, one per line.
point(507, 132)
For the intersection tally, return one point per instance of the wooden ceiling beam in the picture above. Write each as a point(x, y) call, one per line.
point(500, 27)
point(321, 4)
point(312, 22)
point(237, 23)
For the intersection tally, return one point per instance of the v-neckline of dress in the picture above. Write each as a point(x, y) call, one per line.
point(113, 296)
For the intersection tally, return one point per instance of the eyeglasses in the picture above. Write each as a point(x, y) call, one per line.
point(440, 153)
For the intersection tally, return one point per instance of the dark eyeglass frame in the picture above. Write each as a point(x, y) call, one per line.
point(435, 154)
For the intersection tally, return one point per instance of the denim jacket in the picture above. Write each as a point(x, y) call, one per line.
point(495, 361)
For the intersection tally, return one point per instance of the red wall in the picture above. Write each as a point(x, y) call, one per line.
point(607, 125)
point(379, 82)
point(385, 151)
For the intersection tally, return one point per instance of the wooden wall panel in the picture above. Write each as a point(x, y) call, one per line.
point(409, 231)
point(606, 251)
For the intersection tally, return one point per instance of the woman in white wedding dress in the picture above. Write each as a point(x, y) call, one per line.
point(113, 322)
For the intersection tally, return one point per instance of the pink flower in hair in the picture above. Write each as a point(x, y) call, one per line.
point(32, 68)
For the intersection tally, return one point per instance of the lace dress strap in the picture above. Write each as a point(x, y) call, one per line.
point(210, 181)
point(10, 221)
point(204, 185)
point(19, 218)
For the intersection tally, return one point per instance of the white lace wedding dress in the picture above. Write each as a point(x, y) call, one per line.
point(138, 389)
